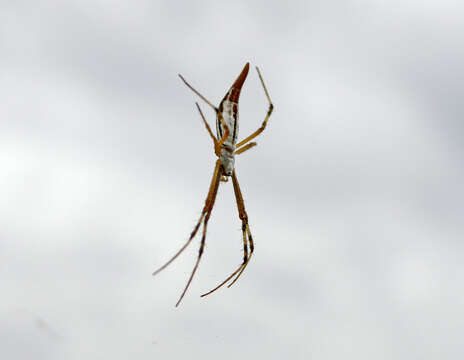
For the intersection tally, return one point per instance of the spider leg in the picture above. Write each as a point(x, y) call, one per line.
point(192, 235)
point(224, 137)
point(245, 226)
point(200, 253)
point(221, 119)
point(250, 240)
point(246, 234)
point(245, 259)
point(196, 92)
point(207, 126)
point(245, 148)
point(269, 112)
point(217, 144)
point(205, 214)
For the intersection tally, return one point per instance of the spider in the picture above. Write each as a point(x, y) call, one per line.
point(225, 148)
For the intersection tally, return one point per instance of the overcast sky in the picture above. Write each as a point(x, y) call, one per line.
point(354, 192)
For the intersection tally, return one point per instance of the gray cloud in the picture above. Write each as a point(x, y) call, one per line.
point(353, 192)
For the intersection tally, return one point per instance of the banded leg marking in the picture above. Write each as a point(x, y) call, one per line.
point(205, 215)
point(269, 112)
point(246, 234)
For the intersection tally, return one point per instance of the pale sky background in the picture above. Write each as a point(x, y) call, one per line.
point(354, 191)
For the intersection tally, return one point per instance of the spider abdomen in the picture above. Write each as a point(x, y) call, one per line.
point(229, 112)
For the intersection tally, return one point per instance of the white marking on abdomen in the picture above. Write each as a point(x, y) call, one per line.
point(231, 119)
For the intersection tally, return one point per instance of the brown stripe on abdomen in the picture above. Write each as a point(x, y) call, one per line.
point(231, 99)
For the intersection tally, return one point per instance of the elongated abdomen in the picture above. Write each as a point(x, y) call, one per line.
point(229, 109)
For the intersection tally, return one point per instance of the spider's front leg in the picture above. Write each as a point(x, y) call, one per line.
point(209, 203)
point(204, 217)
point(246, 236)
point(246, 233)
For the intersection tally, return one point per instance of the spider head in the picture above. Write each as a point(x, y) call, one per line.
point(228, 161)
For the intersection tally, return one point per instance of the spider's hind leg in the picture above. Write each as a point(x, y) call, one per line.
point(217, 143)
point(268, 115)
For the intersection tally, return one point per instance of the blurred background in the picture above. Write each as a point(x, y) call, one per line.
point(354, 192)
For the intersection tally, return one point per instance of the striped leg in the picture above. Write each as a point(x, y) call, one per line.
point(245, 227)
point(217, 144)
point(207, 126)
point(245, 148)
point(205, 214)
point(196, 92)
point(263, 125)
point(200, 253)
point(216, 110)
point(246, 234)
